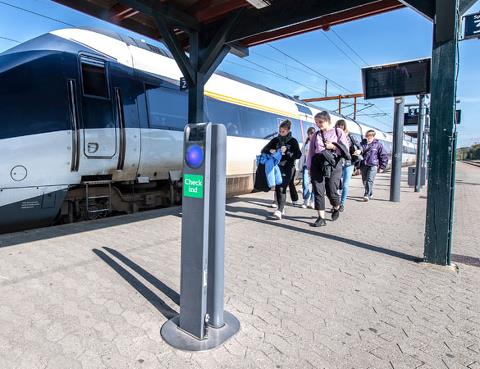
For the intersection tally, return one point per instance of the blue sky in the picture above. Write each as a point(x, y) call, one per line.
point(390, 37)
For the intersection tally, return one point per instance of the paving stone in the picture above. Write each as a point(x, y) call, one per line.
point(94, 295)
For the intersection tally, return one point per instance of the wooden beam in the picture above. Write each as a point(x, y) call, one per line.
point(425, 8)
point(169, 12)
point(214, 12)
point(465, 5)
point(325, 22)
point(285, 13)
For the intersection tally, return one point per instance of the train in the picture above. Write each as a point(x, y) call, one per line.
point(91, 124)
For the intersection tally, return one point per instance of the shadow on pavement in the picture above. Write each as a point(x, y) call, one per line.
point(151, 297)
point(468, 260)
point(173, 295)
point(359, 244)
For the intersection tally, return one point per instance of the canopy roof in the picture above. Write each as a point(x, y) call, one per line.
point(279, 19)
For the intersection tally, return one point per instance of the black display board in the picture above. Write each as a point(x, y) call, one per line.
point(399, 79)
point(472, 26)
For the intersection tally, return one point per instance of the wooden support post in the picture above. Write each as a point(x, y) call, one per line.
point(441, 189)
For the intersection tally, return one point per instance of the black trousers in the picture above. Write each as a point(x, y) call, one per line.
point(281, 190)
point(326, 186)
point(292, 188)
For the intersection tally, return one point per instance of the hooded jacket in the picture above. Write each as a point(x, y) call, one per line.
point(374, 154)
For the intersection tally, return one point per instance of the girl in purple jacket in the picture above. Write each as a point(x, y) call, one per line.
point(324, 161)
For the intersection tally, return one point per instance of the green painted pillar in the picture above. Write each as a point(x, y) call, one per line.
point(439, 222)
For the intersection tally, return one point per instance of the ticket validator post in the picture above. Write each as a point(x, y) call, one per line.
point(202, 323)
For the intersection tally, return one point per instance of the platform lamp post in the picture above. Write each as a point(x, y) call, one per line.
point(419, 168)
point(398, 119)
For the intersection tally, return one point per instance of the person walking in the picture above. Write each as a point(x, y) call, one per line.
point(308, 198)
point(324, 161)
point(290, 149)
point(354, 148)
point(375, 159)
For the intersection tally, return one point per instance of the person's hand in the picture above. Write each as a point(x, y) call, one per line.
point(272, 151)
point(329, 145)
point(357, 152)
point(283, 149)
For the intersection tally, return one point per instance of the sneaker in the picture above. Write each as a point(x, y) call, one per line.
point(294, 203)
point(305, 204)
point(320, 222)
point(311, 205)
point(335, 214)
point(274, 205)
point(341, 208)
point(277, 214)
point(365, 198)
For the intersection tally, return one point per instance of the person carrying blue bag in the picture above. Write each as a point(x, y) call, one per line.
point(288, 146)
point(268, 173)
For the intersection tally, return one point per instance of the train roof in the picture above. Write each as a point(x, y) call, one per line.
point(84, 37)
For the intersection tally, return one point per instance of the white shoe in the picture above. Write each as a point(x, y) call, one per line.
point(311, 205)
point(365, 198)
point(305, 204)
point(277, 214)
point(274, 205)
point(294, 203)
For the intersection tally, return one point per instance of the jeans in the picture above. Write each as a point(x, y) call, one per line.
point(307, 185)
point(368, 177)
point(347, 176)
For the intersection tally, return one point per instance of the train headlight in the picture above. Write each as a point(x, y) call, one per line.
point(194, 156)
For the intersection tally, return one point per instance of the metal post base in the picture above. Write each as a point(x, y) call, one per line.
point(181, 340)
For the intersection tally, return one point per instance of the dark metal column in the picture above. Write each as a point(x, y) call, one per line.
point(419, 169)
point(196, 89)
point(441, 189)
point(202, 323)
point(396, 178)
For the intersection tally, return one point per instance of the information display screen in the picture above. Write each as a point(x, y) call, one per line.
point(400, 79)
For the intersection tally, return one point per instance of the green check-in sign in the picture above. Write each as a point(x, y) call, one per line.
point(193, 186)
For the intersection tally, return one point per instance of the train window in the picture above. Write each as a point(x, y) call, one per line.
point(304, 109)
point(94, 80)
point(227, 114)
point(259, 124)
point(167, 108)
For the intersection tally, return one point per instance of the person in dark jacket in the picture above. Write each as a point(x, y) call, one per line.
point(355, 150)
point(324, 161)
point(290, 149)
point(375, 159)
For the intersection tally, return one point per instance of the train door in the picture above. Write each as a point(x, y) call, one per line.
point(125, 89)
point(100, 134)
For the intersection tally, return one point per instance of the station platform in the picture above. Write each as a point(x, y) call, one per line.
point(352, 294)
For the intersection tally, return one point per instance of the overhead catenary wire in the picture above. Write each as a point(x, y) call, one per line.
point(310, 68)
point(350, 47)
point(35, 13)
point(282, 76)
point(10, 39)
point(341, 50)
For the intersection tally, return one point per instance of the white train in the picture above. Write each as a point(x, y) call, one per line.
point(91, 123)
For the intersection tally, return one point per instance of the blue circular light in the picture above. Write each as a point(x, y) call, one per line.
point(194, 156)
